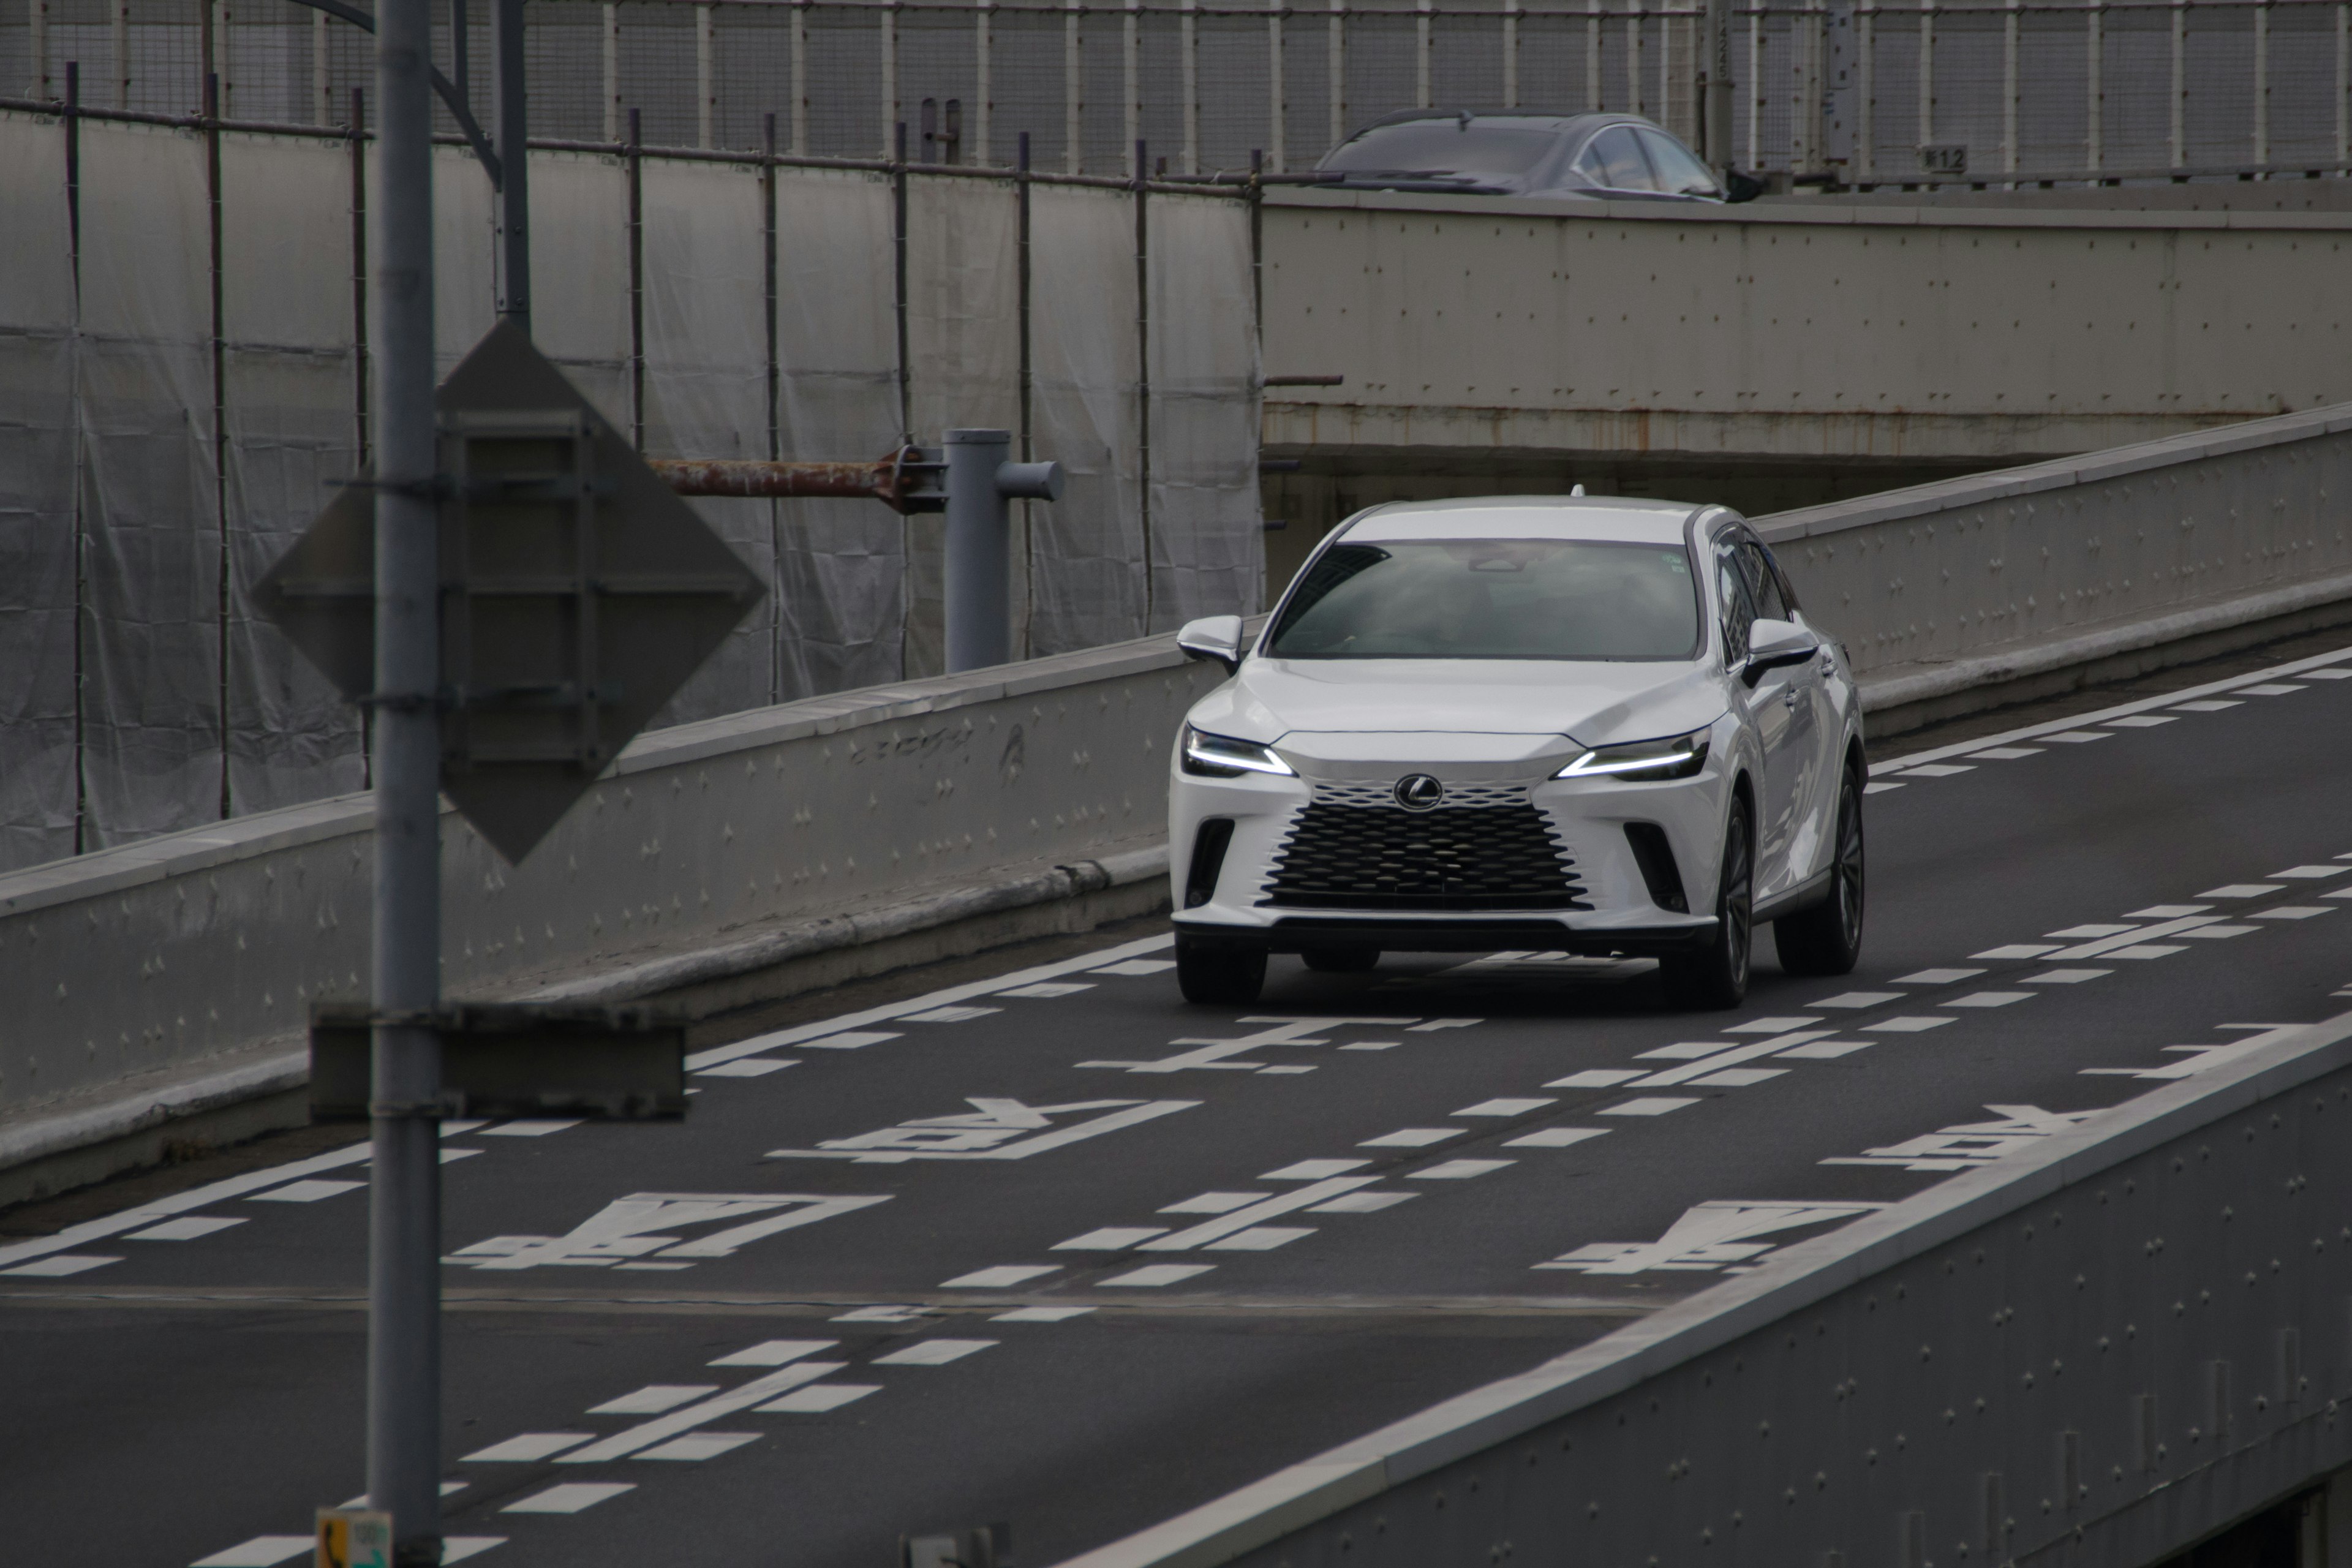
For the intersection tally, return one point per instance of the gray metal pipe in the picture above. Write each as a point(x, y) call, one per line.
point(509, 133)
point(980, 482)
point(1717, 109)
point(403, 1359)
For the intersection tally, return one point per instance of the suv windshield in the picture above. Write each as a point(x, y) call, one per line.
point(1493, 598)
point(1443, 147)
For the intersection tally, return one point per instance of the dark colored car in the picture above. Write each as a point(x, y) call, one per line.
point(1616, 157)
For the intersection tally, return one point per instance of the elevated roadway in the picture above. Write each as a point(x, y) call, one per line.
point(1030, 1241)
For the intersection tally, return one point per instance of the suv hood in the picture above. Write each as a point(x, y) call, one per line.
point(1597, 704)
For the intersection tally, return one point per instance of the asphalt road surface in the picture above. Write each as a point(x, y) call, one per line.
point(1028, 1241)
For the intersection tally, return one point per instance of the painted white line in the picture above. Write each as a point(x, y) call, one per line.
point(2329, 675)
point(1768, 1025)
point(1737, 1078)
point(58, 1265)
point(1260, 1239)
point(1690, 1072)
point(1103, 962)
point(1412, 1137)
point(1906, 1026)
point(1138, 966)
point(2065, 976)
point(1458, 1170)
point(774, 1352)
point(1436, 1024)
point(1879, 786)
point(662, 1428)
point(458, 1548)
point(570, 1497)
point(1684, 1050)
point(949, 1014)
point(819, 1397)
point(1503, 1107)
point(2142, 721)
point(2292, 912)
point(653, 1399)
point(2280, 689)
point(1988, 999)
point(1050, 988)
point(854, 1040)
point(2085, 932)
point(1003, 1277)
point(2149, 950)
point(1828, 1050)
point(2017, 950)
point(2205, 707)
point(1653, 1106)
point(2076, 737)
point(2117, 946)
point(2050, 729)
point(1364, 1203)
point(2169, 911)
point(1041, 1314)
point(531, 1129)
point(933, 1352)
point(307, 1191)
point(1110, 1239)
point(748, 1067)
point(1594, 1078)
point(526, 1448)
point(1373, 1045)
point(1313, 1170)
point(2240, 891)
point(1213, 1230)
point(189, 1229)
point(2217, 932)
point(1937, 976)
point(1554, 1137)
point(2312, 873)
point(1153, 1275)
point(882, 1315)
point(1857, 999)
point(1937, 770)
point(261, 1552)
point(2005, 753)
point(1215, 1203)
point(697, 1445)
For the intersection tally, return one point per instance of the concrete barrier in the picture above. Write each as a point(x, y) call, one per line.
point(2096, 1353)
point(174, 976)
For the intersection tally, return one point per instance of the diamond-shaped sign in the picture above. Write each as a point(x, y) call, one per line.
point(577, 592)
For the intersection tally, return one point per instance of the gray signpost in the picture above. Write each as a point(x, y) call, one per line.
point(514, 594)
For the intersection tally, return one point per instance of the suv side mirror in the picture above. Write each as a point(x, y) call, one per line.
point(1776, 644)
point(1739, 187)
point(1214, 636)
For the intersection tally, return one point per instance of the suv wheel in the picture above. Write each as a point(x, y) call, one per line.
point(1715, 976)
point(1220, 972)
point(1827, 938)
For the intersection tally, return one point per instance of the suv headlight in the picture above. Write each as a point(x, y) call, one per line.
point(1643, 762)
point(1222, 757)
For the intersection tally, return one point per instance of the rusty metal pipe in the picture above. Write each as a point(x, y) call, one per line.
point(889, 480)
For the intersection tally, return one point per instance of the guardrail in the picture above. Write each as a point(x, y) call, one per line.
point(171, 973)
point(2096, 1353)
point(1943, 589)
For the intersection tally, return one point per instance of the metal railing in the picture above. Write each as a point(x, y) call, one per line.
point(1860, 93)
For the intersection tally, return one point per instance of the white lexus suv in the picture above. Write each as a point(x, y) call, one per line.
point(1552, 723)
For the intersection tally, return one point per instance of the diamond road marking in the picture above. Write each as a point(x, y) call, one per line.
point(1153, 1275)
point(654, 1398)
point(1554, 1137)
point(1110, 1239)
point(933, 1352)
point(1658, 1105)
point(1458, 1170)
point(2169, 912)
point(2146, 950)
point(2240, 891)
point(1937, 976)
point(1503, 1107)
point(1857, 999)
point(1737, 1078)
point(819, 1397)
point(1594, 1078)
point(1314, 1169)
point(570, 1497)
point(695, 1446)
point(2277, 688)
point(2208, 706)
point(774, 1352)
point(2075, 737)
point(2290, 912)
point(2065, 976)
point(1003, 1277)
point(1768, 1025)
point(306, 1191)
point(2313, 872)
point(1937, 770)
point(1411, 1138)
point(189, 1227)
point(1048, 988)
point(1988, 998)
point(1906, 1025)
point(526, 1447)
point(2084, 933)
point(2140, 721)
point(2017, 950)
point(1826, 1050)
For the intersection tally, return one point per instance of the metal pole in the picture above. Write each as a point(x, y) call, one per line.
point(403, 1462)
point(510, 135)
point(1277, 107)
point(1510, 54)
point(978, 573)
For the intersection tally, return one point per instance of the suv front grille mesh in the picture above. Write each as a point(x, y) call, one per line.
point(1471, 857)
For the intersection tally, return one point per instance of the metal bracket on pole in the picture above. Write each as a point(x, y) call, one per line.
point(981, 480)
point(452, 95)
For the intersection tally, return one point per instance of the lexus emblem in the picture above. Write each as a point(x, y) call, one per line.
point(1419, 792)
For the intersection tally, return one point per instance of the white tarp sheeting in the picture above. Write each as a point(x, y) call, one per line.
point(177, 434)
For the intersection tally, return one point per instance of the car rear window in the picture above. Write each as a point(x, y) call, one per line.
point(1493, 598)
point(1443, 147)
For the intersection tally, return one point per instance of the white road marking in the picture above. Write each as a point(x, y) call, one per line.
point(1768, 1025)
point(1554, 1137)
point(2169, 911)
point(1260, 1239)
point(2076, 737)
point(1411, 1138)
point(1215, 1203)
point(261, 1552)
point(1828, 1050)
point(662, 1428)
point(1974, 1143)
point(2216, 933)
point(1503, 1107)
point(448, 1488)
point(854, 1040)
point(1110, 1239)
point(949, 1014)
point(993, 1130)
point(1041, 1314)
point(2291, 912)
point(2151, 949)
point(774, 1352)
point(1436, 1024)
point(2017, 950)
point(2084, 933)
point(570, 1497)
point(1685, 1051)
point(819, 1397)
point(1373, 1045)
point(2312, 873)
point(2065, 976)
point(306, 1191)
point(2279, 688)
point(1153, 1275)
point(1279, 1071)
point(2115, 946)
point(1988, 999)
point(1594, 1078)
point(881, 1315)
point(56, 1266)
point(1050, 988)
point(190, 1228)
point(2204, 707)
point(2327, 675)
point(1214, 1230)
point(1139, 966)
point(933, 1352)
point(531, 1129)
point(526, 1448)
point(1854, 999)
point(1707, 1236)
point(450, 1154)
point(458, 1548)
point(653, 1399)
point(1656, 1105)
point(1458, 1170)
point(2195, 1059)
point(1313, 1170)
point(1937, 770)
point(2240, 891)
point(1098, 962)
point(1362, 1203)
point(1906, 1025)
point(746, 1066)
point(2141, 721)
point(2338, 893)
point(2005, 753)
point(1219, 1055)
point(1880, 787)
point(642, 1225)
point(1937, 976)
point(1689, 1071)
point(1003, 1277)
point(1737, 1078)
point(697, 1445)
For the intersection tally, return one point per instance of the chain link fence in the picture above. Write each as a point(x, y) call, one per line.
point(1858, 94)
